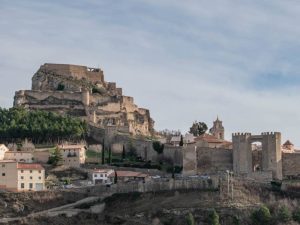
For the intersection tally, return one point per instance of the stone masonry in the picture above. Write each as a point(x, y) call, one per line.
point(82, 92)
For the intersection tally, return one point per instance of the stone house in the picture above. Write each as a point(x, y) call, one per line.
point(128, 176)
point(73, 155)
point(31, 177)
point(21, 176)
point(19, 156)
point(187, 139)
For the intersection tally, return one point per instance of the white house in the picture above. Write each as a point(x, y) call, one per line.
point(103, 176)
point(3, 149)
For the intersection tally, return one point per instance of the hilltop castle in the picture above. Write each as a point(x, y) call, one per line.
point(82, 92)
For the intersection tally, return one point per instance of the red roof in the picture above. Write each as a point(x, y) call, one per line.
point(130, 174)
point(30, 166)
point(288, 142)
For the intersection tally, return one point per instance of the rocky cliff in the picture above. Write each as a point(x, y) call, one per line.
point(82, 92)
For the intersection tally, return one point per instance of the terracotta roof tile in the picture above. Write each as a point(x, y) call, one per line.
point(33, 166)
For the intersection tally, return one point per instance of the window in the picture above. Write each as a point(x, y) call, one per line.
point(30, 171)
point(22, 185)
point(105, 175)
point(22, 177)
point(40, 171)
point(95, 175)
point(22, 171)
point(101, 175)
point(3, 174)
point(30, 178)
point(30, 185)
point(3, 165)
point(40, 178)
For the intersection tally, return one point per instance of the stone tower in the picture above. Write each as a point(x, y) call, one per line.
point(271, 164)
point(217, 130)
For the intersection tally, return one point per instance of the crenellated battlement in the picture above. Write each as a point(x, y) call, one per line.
point(241, 134)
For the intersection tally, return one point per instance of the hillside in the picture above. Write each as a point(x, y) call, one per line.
point(82, 92)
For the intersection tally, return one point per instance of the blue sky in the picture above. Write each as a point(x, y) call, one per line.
point(184, 60)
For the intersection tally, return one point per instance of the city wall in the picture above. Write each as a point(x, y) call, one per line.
point(290, 164)
point(212, 160)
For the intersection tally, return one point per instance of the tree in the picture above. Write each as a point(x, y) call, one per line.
point(158, 147)
point(56, 157)
point(190, 219)
point(116, 177)
point(103, 152)
point(198, 128)
point(181, 141)
point(261, 216)
point(109, 155)
point(123, 153)
point(214, 218)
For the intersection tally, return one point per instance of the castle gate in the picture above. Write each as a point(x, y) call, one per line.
point(271, 162)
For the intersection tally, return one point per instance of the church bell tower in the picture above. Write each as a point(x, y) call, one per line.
point(217, 130)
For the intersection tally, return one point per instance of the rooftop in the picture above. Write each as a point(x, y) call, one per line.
point(130, 174)
point(8, 161)
point(33, 166)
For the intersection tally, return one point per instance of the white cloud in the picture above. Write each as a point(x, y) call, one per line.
point(183, 60)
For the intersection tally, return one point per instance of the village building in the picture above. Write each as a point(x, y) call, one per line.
point(3, 149)
point(210, 141)
point(103, 176)
point(73, 155)
point(16, 176)
point(19, 156)
point(288, 147)
point(215, 137)
point(187, 139)
point(128, 176)
point(31, 177)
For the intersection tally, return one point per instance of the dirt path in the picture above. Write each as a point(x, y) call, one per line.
point(69, 210)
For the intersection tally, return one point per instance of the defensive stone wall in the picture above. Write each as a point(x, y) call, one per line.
point(174, 153)
point(79, 72)
point(212, 160)
point(290, 164)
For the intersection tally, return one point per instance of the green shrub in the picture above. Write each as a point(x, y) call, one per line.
point(261, 216)
point(190, 219)
point(158, 147)
point(296, 215)
point(284, 214)
point(214, 218)
point(60, 87)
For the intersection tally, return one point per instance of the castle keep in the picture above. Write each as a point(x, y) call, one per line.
point(82, 92)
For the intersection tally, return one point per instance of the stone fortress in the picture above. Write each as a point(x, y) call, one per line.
point(258, 157)
point(82, 92)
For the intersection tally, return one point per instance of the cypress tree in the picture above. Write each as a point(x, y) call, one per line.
point(103, 152)
point(109, 155)
point(116, 177)
point(123, 153)
point(181, 141)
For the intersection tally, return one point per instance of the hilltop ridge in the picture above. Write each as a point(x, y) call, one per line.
point(82, 92)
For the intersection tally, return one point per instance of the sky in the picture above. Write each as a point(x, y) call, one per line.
point(184, 60)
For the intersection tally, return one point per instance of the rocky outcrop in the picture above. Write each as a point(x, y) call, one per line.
point(82, 92)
